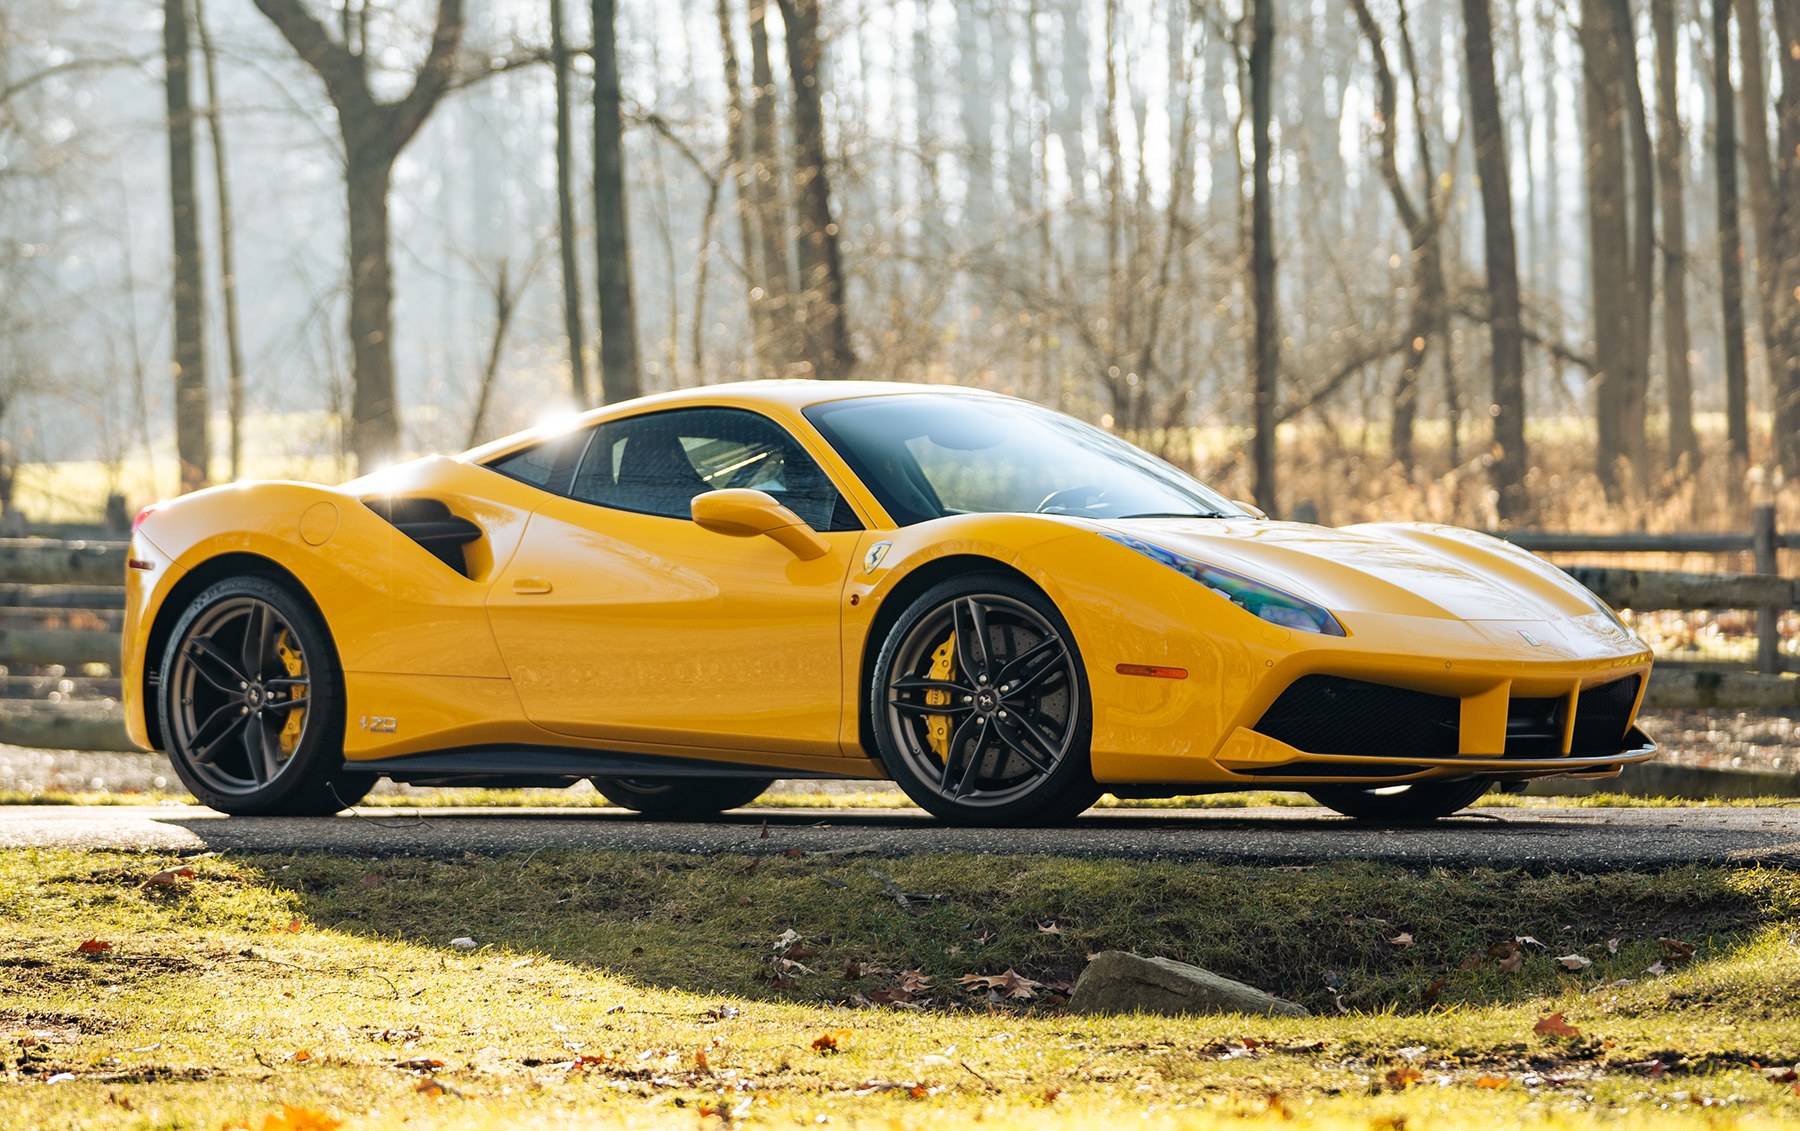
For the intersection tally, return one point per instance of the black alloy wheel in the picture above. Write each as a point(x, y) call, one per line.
point(980, 705)
point(252, 704)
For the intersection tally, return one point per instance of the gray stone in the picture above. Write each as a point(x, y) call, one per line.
point(1117, 982)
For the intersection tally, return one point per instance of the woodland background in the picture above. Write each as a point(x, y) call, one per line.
point(1520, 262)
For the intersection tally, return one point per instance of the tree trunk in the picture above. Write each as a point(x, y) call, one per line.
point(1759, 165)
point(1640, 280)
point(374, 415)
point(1609, 258)
point(374, 134)
point(1731, 246)
point(565, 208)
point(1670, 159)
point(821, 272)
point(612, 245)
point(743, 179)
point(1262, 257)
point(787, 348)
point(189, 358)
point(1784, 356)
point(234, 350)
point(1508, 362)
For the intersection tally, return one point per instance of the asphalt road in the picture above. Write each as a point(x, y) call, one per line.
point(1536, 839)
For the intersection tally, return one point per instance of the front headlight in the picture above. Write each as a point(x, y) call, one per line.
point(1277, 606)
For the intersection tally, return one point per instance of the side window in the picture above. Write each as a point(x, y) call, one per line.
point(656, 464)
point(544, 464)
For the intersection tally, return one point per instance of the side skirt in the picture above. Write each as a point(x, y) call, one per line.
point(510, 766)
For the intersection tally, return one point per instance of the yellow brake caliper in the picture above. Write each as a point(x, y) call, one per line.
point(290, 660)
point(937, 727)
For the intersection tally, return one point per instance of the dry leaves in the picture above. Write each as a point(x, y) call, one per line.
point(1008, 986)
point(826, 1043)
point(1574, 962)
point(94, 946)
point(171, 878)
point(291, 1118)
point(1402, 940)
point(1404, 1076)
point(1485, 1081)
point(435, 1088)
point(1555, 1026)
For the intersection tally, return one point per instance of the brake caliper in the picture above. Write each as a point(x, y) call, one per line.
point(295, 667)
point(943, 667)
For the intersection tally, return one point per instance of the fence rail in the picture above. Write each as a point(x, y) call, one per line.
point(60, 602)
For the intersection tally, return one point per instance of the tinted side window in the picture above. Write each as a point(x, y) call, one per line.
point(544, 464)
point(656, 464)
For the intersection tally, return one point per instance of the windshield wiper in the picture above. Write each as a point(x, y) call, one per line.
point(1173, 514)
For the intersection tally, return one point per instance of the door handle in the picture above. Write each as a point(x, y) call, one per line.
point(531, 585)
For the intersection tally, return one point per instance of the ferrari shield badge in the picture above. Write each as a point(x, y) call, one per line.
point(872, 559)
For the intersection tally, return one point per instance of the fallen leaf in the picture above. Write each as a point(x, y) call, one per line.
point(1612, 946)
point(1435, 988)
point(1656, 969)
point(1781, 1075)
point(301, 1056)
point(1402, 940)
point(1512, 963)
point(432, 1086)
point(1555, 1026)
point(1491, 1081)
point(1404, 1076)
point(1052, 1094)
point(1574, 962)
point(1678, 951)
point(1527, 940)
point(171, 877)
point(419, 1064)
point(291, 1118)
point(1048, 927)
point(94, 946)
point(293, 926)
point(830, 1042)
point(913, 981)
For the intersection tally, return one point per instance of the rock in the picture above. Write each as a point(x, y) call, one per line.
point(1117, 982)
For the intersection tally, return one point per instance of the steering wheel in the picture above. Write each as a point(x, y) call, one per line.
point(1065, 500)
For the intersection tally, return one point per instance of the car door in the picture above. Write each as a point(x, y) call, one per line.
point(619, 618)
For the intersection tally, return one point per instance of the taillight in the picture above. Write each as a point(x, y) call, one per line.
point(142, 515)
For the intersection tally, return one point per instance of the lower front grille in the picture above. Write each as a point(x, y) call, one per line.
point(1602, 715)
point(1328, 714)
point(1534, 727)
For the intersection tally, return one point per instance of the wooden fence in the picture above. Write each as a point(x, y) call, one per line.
point(61, 608)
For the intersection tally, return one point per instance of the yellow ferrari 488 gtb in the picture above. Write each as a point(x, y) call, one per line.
point(1005, 611)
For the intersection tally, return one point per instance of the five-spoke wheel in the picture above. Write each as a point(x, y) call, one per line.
point(980, 705)
point(252, 703)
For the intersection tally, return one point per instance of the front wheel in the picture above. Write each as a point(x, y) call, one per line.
point(980, 708)
point(1401, 804)
point(252, 704)
point(681, 798)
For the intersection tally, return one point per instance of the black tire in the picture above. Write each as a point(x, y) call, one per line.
point(681, 798)
point(1010, 743)
point(247, 656)
point(1414, 804)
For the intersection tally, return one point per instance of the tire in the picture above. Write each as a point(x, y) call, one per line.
point(1414, 804)
point(1006, 745)
point(247, 657)
point(681, 798)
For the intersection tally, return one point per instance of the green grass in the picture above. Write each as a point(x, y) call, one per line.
point(633, 989)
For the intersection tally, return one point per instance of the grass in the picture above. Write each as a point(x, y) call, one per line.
point(643, 990)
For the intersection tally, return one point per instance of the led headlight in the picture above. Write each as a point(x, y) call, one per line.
point(1277, 606)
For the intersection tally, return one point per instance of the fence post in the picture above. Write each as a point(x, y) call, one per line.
point(1763, 542)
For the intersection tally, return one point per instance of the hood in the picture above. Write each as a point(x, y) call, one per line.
point(1402, 569)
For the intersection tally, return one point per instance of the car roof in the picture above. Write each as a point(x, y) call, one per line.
point(792, 394)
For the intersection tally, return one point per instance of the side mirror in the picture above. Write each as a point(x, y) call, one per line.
point(1251, 507)
point(743, 513)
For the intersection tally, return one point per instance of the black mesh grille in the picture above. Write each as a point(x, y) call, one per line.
point(1601, 715)
point(1327, 714)
point(1534, 728)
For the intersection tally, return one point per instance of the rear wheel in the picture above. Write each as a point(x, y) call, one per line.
point(979, 705)
point(252, 704)
point(679, 798)
point(1401, 804)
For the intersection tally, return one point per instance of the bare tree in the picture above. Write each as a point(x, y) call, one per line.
point(1267, 351)
point(565, 207)
point(374, 133)
point(1784, 247)
point(612, 246)
point(1640, 276)
point(234, 349)
point(1420, 218)
point(189, 359)
point(1731, 246)
point(1505, 323)
point(1670, 157)
point(822, 312)
point(785, 345)
point(1609, 249)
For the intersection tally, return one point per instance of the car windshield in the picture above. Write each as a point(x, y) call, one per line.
point(928, 455)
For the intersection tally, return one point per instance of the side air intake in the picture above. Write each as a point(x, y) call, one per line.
point(429, 523)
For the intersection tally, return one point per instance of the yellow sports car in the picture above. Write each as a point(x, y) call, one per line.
point(1004, 610)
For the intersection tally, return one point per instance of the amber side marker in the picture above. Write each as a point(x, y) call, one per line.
point(1151, 670)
